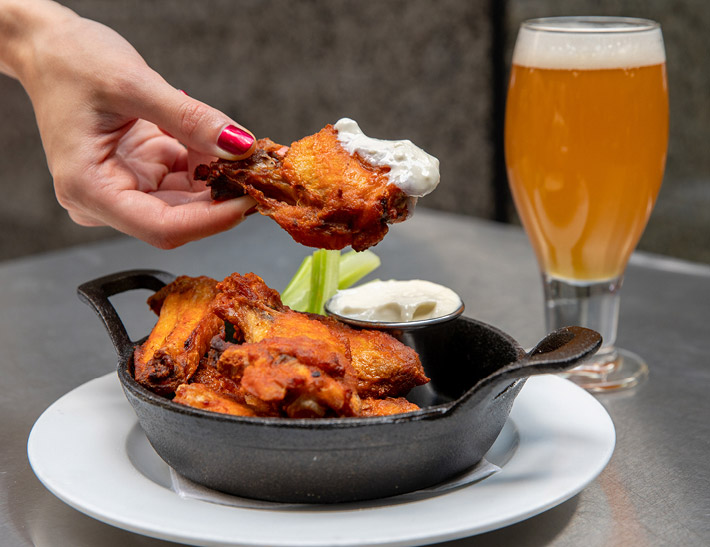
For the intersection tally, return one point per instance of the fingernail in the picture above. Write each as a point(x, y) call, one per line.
point(235, 140)
point(250, 211)
point(183, 92)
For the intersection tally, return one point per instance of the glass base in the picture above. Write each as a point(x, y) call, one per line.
point(625, 371)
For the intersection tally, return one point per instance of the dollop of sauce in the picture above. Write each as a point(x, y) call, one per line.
point(412, 170)
point(395, 301)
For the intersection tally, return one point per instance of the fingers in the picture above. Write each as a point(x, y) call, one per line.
point(85, 220)
point(177, 220)
point(193, 123)
point(169, 218)
point(181, 197)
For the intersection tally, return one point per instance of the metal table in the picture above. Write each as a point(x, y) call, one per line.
point(655, 491)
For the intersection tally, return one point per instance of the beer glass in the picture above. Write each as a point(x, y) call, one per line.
point(586, 132)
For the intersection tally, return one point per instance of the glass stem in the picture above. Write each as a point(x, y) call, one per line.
point(592, 305)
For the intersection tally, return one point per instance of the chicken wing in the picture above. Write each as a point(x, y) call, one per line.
point(211, 378)
point(181, 336)
point(295, 363)
point(294, 376)
point(233, 347)
point(315, 189)
point(228, 384)
point(386, 407)
point(201, 396)
point(382, 365)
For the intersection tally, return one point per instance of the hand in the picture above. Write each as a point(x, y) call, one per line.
point(112, 130)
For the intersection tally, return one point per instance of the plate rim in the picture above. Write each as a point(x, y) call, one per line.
point(533, 416)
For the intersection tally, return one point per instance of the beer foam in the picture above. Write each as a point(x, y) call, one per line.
point(588, 50)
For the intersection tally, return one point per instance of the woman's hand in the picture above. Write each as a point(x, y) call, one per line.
point(112, 130)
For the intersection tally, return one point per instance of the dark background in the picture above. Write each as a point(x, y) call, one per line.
point(433, 71)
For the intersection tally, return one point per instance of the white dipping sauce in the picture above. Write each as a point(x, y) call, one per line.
point(412, 170)
point(395, 301)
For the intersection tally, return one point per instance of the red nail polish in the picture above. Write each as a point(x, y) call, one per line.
point(234, 140)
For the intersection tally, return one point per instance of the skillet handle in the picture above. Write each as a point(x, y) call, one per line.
point(558, 351)
point(96, 294)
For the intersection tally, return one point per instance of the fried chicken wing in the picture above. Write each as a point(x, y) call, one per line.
point(249, 305)
point(384, 366)
point(227, 384)
point(200, 396)
point(386, 407)
point(295, 375)
point(233, 347)
point(211, 378)
point(315, 189)
point(288, 359)
point(181, 336)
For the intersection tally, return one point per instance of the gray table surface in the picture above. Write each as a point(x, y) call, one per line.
point(655, 490)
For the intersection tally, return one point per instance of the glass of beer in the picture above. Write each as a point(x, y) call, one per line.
point(586, 132)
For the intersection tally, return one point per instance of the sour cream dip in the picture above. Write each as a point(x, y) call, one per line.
point(412, 170)
point(395, 301)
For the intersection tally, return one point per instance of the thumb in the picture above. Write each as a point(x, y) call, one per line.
point(196, 124)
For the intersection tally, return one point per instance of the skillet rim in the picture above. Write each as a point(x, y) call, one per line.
point(434, 412)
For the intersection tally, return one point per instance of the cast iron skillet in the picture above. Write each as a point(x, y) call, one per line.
point(476, 372)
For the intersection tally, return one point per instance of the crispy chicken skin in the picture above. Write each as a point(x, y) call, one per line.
point(382, 366)
point(294, 376)
point(181, 336)
point(233, 347)
point(209, 376)
point(288, 360)
point(315, 190)
point(386, 407)
point(200, 396)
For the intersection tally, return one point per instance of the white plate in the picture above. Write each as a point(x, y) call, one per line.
point(88, 449)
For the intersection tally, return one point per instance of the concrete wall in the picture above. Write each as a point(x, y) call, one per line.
point(427, 70)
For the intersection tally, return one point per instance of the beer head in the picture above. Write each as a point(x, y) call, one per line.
point(589, 43)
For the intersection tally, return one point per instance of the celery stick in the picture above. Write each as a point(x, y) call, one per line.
point(356, 265)
point(324, 272)
point(324, 278)
point(295, 295)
